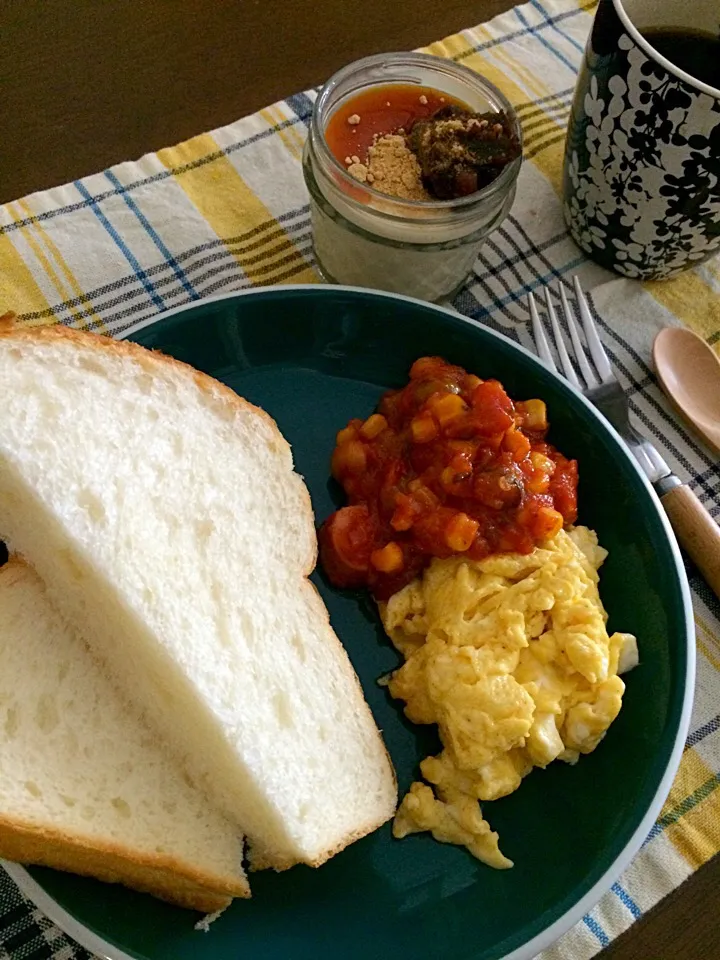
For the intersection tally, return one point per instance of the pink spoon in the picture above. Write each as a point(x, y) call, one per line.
point(689, 373)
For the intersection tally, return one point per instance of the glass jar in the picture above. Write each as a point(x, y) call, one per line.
point(366, 238)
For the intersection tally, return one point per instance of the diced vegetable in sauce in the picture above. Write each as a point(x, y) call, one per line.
point(449, 464)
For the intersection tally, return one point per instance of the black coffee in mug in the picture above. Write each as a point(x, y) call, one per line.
point(697, 52)
point(641, 181)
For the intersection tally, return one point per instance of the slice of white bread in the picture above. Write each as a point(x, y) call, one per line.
point(84, 785)
point(163, 514)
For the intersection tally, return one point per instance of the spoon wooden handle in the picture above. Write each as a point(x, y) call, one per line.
point(696, 531)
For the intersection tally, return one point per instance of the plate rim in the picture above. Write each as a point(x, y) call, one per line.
point(574, 913)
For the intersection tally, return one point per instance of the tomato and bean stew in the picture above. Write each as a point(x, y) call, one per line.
point(448, 464)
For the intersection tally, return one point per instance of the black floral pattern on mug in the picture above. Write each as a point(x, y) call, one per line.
point(642, 187)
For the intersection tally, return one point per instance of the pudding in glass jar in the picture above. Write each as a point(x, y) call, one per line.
point(411, 162)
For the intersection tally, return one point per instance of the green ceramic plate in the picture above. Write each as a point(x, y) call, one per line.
point(313, 357)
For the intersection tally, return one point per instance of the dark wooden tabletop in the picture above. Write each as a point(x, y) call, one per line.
point(88, 83)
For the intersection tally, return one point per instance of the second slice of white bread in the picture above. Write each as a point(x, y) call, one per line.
point(84, 786)
point(164, 515)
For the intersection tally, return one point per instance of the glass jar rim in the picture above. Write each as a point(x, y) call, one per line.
point(440, 64)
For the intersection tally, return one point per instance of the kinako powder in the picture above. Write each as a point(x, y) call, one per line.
point(391, 167)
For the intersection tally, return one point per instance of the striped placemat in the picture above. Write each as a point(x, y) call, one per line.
point(228, 210)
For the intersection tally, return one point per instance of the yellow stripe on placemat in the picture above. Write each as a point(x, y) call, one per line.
point(231, 208)
point(18, 290)
point(41, 256)
point(288, 136)
point(691, 300)
point(697, 836)
point(549, 159)
point(692, 812)
point(712, 640)
point(294, 133)
point(76, 291)
point(692, 774)
point(708, 654)
point(452, 48)
point(705, 627)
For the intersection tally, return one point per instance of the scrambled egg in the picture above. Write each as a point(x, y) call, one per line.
point(511, 658)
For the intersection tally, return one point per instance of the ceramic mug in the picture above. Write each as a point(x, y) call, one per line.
point(641, 176)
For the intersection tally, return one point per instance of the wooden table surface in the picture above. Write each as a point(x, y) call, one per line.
point(87, 83)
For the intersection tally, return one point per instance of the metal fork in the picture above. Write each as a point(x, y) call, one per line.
point(695, 529)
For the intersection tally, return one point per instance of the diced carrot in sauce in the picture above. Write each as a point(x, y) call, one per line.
point(517, 444)
point(448, 464)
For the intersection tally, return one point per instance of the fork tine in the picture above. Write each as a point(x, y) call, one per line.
point(539, 333)
point(590, 379)
point(565, 363)
point(597, 351)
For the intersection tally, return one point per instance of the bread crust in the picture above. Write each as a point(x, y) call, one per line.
point(13, 570)
point(161, 875)
point(156, 362)
point(259, 859)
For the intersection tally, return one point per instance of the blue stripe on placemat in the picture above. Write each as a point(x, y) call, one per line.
point(595, 928)
point(626, 900)
point(301, 105)
point(712, 726)
point(540, 280)
point(549, 21)
point(533, 31)
point(127, 253)
point(154, 236)
point(566, 36)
